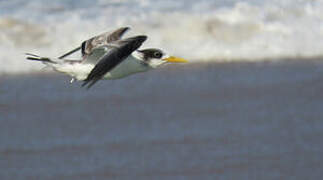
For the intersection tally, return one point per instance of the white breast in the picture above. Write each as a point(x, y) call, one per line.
point(127, 67)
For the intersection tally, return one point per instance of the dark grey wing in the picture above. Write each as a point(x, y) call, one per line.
point(119, 52)
point(105, 38)
point(102, 39)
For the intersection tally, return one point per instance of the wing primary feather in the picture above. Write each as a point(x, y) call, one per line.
point(117, 34)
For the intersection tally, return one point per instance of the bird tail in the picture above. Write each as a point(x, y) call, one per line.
point(45, 60)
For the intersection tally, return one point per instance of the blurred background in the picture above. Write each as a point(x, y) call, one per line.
point(248, 106)
point(212, 30)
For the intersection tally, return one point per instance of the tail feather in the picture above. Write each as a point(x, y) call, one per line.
point(34, 57)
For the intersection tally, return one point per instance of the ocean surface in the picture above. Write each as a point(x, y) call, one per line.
point(245, 121)
point(248, 106)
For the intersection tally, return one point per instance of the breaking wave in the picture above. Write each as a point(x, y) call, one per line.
point(199, 31)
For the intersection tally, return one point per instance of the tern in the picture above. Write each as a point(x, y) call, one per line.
point(108, 56)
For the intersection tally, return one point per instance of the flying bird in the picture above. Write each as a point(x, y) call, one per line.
point(108, 56)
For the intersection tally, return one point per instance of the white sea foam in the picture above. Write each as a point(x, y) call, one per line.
point(205, 30)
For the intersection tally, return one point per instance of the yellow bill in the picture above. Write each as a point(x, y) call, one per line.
point(174, 59)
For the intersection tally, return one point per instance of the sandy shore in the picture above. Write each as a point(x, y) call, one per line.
point(201, 121)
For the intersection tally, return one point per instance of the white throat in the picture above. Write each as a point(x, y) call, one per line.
point(137, 55)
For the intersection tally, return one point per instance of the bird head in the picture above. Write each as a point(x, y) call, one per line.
point(156, 57)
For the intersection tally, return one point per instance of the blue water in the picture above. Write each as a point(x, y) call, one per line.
point(245, 121)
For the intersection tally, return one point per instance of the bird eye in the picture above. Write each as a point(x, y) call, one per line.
point(158, 55)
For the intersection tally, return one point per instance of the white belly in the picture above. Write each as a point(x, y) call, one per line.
point(80, 71)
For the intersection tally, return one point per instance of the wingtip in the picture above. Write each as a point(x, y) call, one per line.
point(84, 83)
point(141, 38)
point(123, 30)
point(127, 28)
point(88, 86)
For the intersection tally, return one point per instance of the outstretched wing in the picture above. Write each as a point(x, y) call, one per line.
point(102, 39)
point(119, 51)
